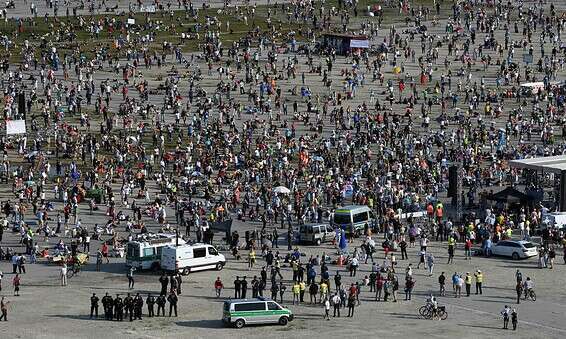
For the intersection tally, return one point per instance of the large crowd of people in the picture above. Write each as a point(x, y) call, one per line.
point(277, 129)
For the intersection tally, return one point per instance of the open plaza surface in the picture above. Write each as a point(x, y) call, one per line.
point(208, 110)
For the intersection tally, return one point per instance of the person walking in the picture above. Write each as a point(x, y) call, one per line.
point(130, 276)
point(506, 313)
point(16, 283)
point(430, 263)
point(218, 286)
point(94, 306)
point(63, 274)
point(4, 309)
point(442, 284)
point(326, 309)
point(519, 290)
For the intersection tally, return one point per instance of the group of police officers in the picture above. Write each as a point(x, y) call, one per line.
point(118, 308)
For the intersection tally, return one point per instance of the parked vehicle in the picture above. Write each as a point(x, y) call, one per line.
point(240, 312)
point(515, 249)
point(191, 258)
point(353, 218)
point(316, 233)
point(145, 252)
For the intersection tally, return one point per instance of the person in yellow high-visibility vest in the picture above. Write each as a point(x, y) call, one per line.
point(468, 282)
point(451, 249)
point(296, 291)
point(251, 259)
point(303, 288)
point(479, 281)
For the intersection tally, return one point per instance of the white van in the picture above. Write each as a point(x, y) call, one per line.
point(190, 258)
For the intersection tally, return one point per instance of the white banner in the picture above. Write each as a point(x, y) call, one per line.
point(15, 127)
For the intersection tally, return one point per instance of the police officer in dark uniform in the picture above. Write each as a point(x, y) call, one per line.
point(138, 305)
point(94, 305)
point(107, 304)
point(161, 304)
point(164, 282)
point(119, 308)
point(129, 307)
point(179, 282)
point(172, 298)
point(173, 284)
point(150, 301)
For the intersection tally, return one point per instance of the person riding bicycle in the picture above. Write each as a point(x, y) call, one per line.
point(528, 287)
point(433, 303)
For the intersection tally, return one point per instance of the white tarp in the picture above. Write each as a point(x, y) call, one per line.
point(359, 44)
point(15, 127)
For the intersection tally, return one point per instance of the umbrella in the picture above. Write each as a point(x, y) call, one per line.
point(281, 190)
point(318, 158)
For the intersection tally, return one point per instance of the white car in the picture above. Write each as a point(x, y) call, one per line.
point(515, 249)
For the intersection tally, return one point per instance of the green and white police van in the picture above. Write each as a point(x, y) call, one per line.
point(240, 312)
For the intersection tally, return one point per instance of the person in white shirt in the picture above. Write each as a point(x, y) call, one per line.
point(64, 275)
point(326, 309)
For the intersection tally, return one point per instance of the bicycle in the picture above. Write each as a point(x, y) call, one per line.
point(73, 270)
point(531, 294)
point(428, 312)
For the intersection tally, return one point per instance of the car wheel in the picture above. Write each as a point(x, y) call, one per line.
point(186, 271)
point(219, 266)
point(515, 256)
point(283, 321)
point(239, 323)
point(317, 242)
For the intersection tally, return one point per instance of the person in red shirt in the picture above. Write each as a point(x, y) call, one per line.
point(105, 252)
point(468, 249)
point(218, 286)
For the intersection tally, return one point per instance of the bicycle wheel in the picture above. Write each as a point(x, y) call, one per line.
point(423, 310)
point(533, 296)
point(70, 274)
point(443, 315)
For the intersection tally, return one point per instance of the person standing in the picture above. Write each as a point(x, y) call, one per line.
point(514, 319)
point(4, 309)
point(296, 290)
point(468, 281)
point(94, 305)
point(505, 313)
point(244, 283)
point(237, 287)
point(63, 274)
point(303, 288)
point(403, 247)
point(218, 286)
point(150, 301)
point(326, 309)
point(313, 291)
point(138, 307)
point(173, 299)
point(16, 282)
point(15, 260)
point(479, 281)
point(161, 305)
point(164, 282)
point(351, 304)
point(1, 276)
point(118, 308)
point(336, 301)
point(282, 289)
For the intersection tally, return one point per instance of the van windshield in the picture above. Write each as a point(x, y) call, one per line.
point(341, 219)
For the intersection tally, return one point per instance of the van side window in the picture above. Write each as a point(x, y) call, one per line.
point(316, 230)
point(250, 307)
point(148, 252)
point(212, 251)
point(360, 217)
point(273, 306)
point(199, 252)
